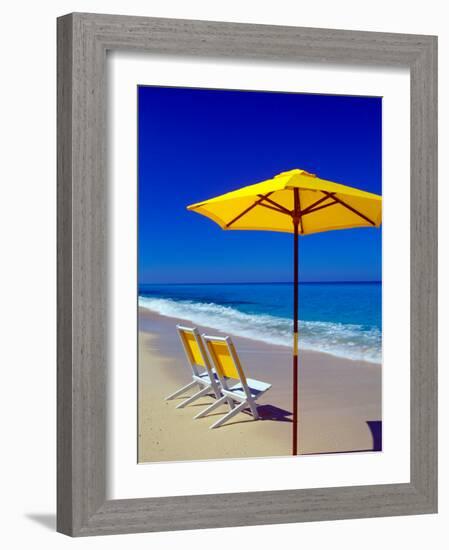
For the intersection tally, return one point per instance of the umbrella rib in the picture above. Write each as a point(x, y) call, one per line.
point(262, 198)
point(275, 209)
point(305, 212)
point(274, 203)
point(316, 203)
point(352, 209)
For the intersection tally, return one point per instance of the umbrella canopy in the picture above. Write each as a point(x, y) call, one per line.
point(322, 205)
point(294, 202)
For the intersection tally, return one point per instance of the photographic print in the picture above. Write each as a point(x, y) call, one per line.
point(259, 274)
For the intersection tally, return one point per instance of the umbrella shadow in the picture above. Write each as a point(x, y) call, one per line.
point(376, 433)
point(375, 427)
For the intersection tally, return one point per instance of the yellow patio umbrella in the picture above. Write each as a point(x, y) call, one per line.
point(293, 202)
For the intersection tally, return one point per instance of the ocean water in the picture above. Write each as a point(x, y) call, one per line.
point(343, 319)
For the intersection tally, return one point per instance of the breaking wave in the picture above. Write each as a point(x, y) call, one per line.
point(342, 340)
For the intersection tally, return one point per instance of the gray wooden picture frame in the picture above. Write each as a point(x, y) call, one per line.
point(83, 40)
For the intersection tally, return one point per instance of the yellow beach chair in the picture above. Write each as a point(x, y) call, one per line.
point(202, 374)
point(228, 368)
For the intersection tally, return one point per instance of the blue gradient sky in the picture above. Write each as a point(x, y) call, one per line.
point(195, 144)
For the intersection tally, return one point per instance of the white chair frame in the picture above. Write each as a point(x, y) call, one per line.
point(202, 375)
point(252, 389)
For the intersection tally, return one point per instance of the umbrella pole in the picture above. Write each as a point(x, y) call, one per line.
point(295, 339)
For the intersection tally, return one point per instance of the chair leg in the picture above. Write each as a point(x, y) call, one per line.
point(230, 403)
point(210, 408)
point(195, 396)
point(229, 415)
point(180, 391)
point(253, 407)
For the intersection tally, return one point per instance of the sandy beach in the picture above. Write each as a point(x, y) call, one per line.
point(340, 402)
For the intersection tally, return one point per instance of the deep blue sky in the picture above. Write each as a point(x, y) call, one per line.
point(195, 144)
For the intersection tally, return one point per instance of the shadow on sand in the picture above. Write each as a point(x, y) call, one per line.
point(375, 427)
point(270, 412)
point(266, 412)
point(376, 432)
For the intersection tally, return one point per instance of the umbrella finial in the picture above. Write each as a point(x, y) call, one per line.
point(295, 172)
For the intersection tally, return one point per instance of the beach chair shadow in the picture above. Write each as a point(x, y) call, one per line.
point(271, 412)
point(266, 412)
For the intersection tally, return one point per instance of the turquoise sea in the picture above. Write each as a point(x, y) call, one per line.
point(343, 319)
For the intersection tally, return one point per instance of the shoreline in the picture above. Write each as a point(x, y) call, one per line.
point(280, 347)
point(340, 401)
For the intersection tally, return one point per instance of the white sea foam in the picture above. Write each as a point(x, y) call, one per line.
point(341, 340)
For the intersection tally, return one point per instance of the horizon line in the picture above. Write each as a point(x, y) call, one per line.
point(265, 283)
